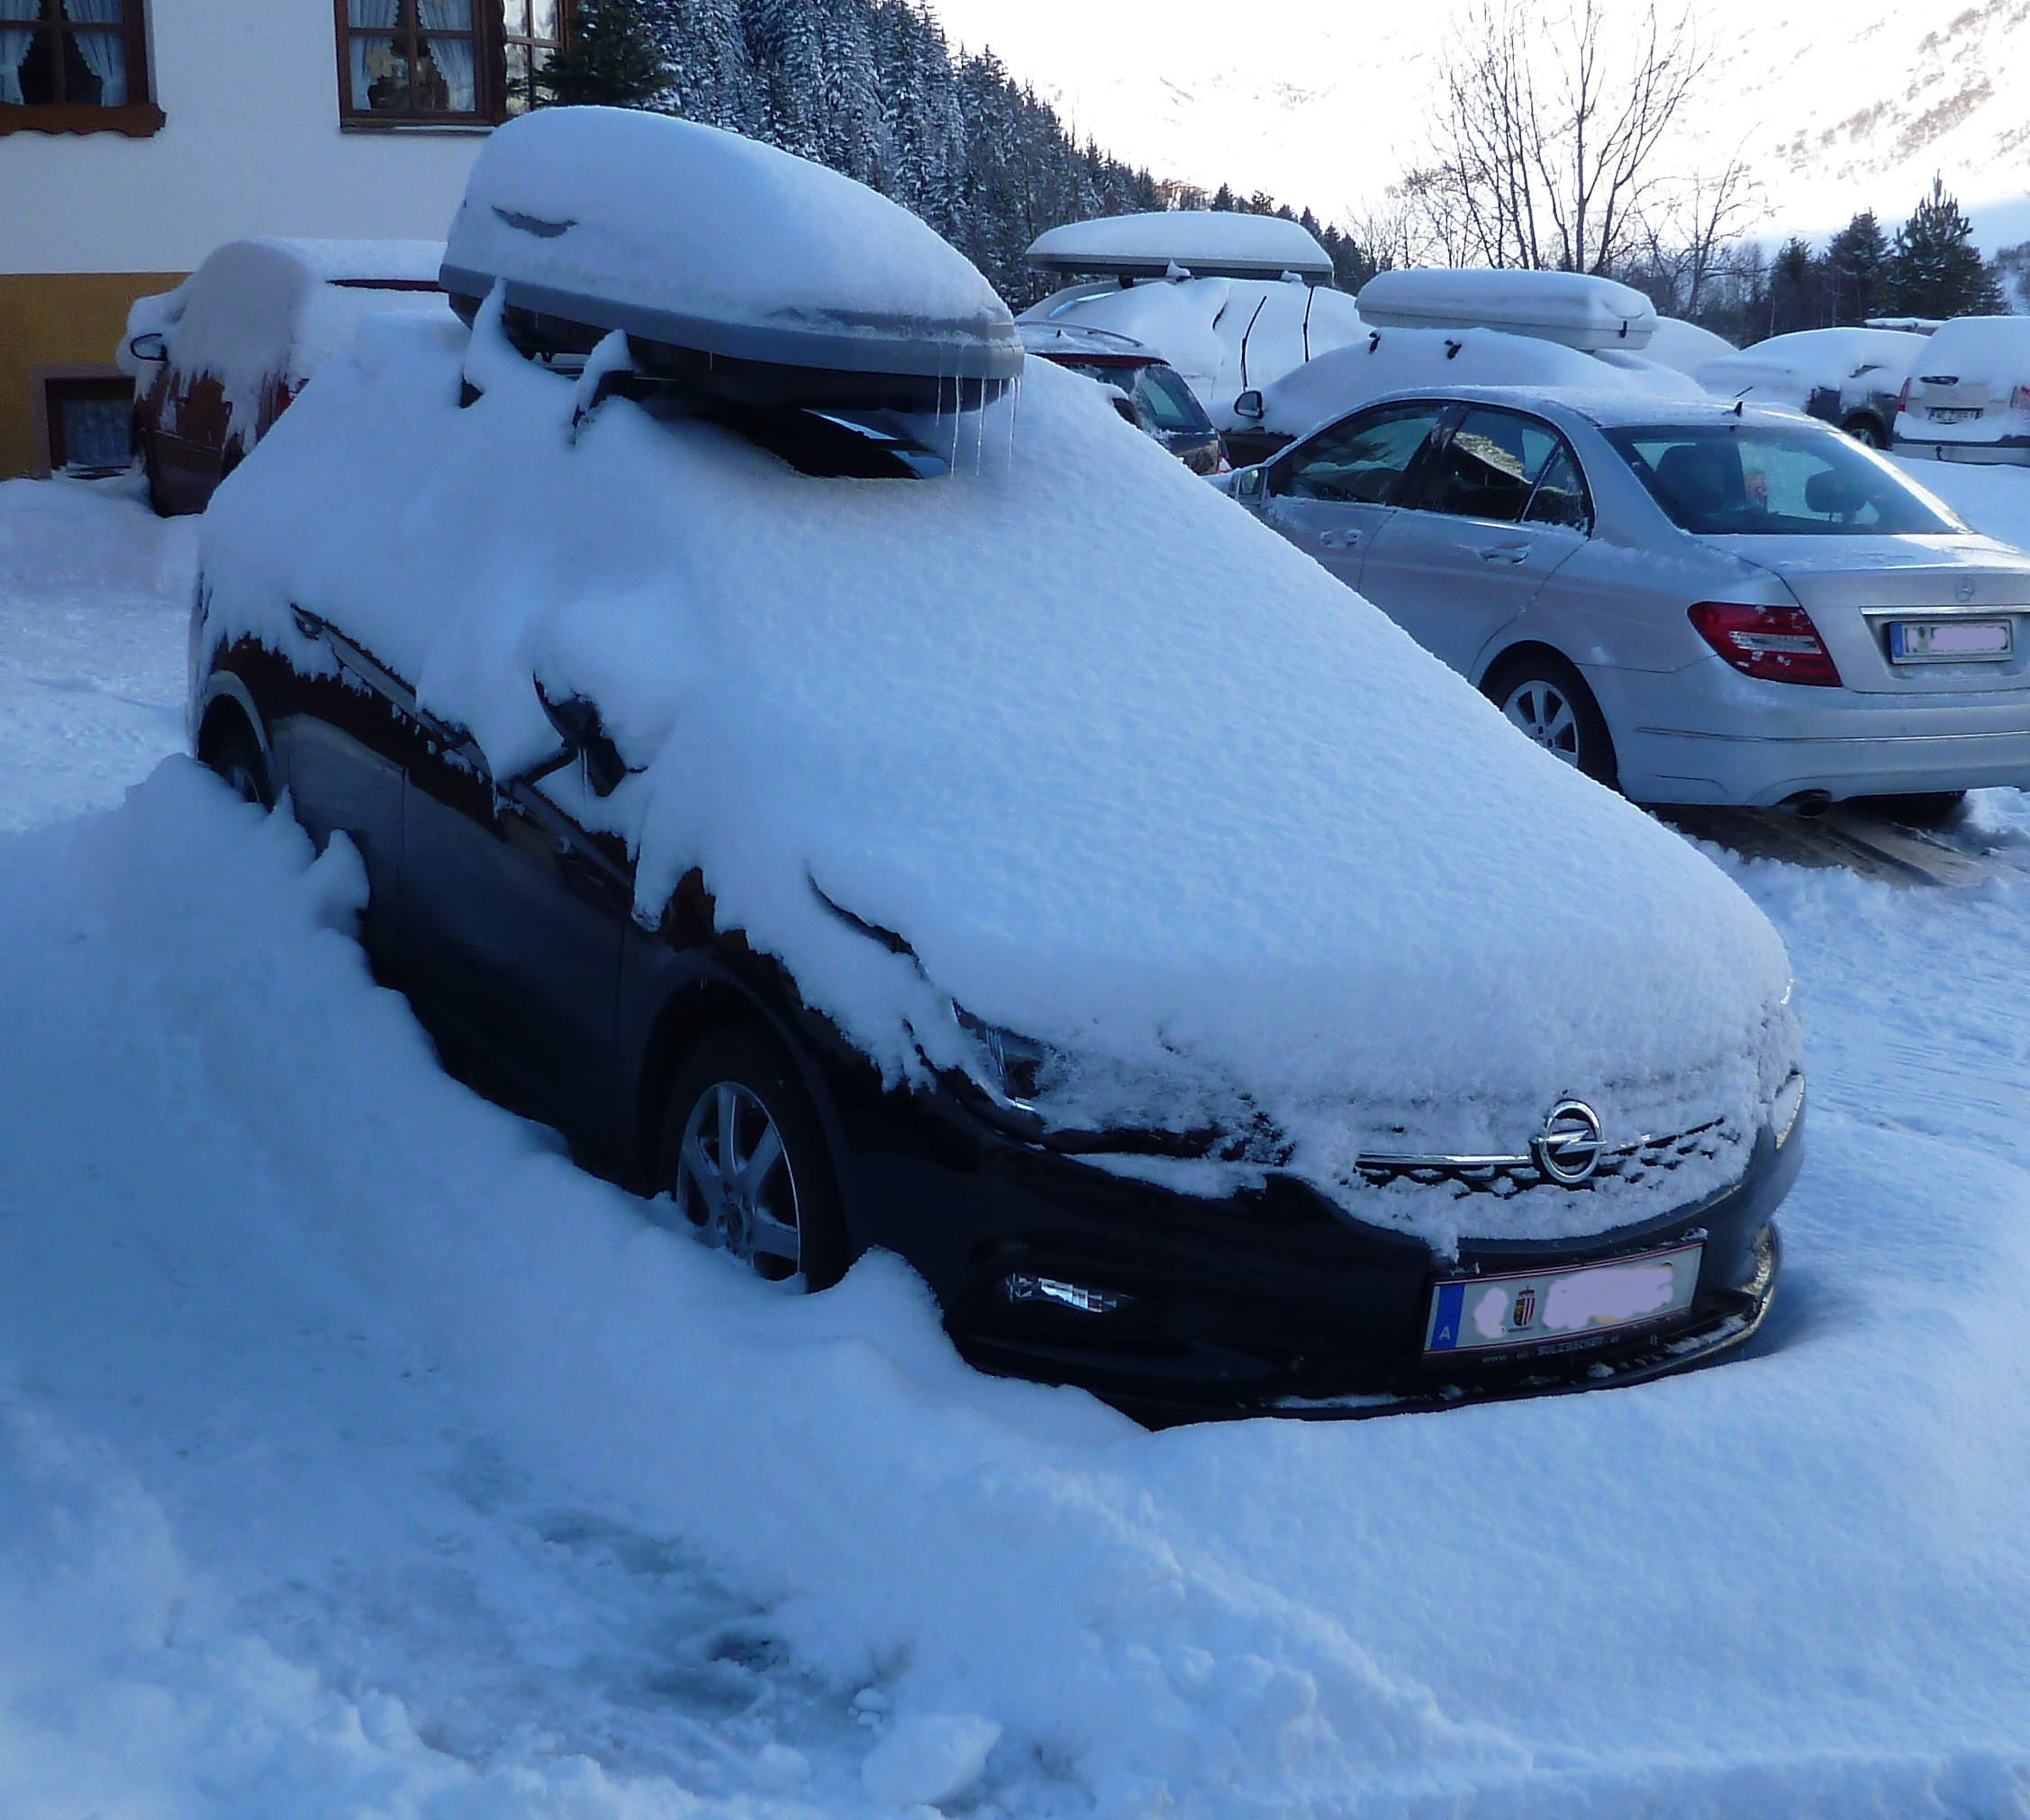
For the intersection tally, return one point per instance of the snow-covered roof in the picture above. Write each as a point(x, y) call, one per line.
point(1201, 243)
point(1127, 772)
point(1684, 346)
point(1389, 360)
point(1996, 348)
point(1789, 368)
point(710, 243)
point(1571, 307)
point(1222, 335)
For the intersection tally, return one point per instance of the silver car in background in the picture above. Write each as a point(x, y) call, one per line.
point(1698, 604)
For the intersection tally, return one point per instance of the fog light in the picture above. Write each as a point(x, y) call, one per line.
point(1076, 1296)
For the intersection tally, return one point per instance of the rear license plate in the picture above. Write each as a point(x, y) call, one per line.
point(1950, 641)
point(1537, 1308)
point(1953, 414)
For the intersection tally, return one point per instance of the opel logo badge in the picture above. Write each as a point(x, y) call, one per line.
point(1570, 1149)
point(1964, 592)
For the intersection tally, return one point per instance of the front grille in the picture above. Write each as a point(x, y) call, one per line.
point(1631, 1163)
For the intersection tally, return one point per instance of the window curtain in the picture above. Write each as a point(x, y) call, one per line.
point(14, 47)
point(104, 52)
point(373, 15)
point(452, 55)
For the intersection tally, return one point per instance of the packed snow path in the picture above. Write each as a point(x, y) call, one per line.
point(358, 1455)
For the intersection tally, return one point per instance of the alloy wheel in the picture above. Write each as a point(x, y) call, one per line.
point(1541, 711)
point(734, 1182)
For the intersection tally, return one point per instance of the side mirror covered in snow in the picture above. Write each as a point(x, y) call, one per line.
point(578, 725)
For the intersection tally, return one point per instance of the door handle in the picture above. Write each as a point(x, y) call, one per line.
point(1506, 553)
point(1339, 539)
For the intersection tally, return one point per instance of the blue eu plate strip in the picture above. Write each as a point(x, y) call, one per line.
point(1445, 1329)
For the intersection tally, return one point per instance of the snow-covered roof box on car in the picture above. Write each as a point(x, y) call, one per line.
point(720, 248)
point(1581, 311)
point(1201, 243)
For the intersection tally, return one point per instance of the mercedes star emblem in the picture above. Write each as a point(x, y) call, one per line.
point(1570, 1149)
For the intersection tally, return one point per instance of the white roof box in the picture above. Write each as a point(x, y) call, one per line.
point(739, 265)
point(1200, 243)
point(1581, 311)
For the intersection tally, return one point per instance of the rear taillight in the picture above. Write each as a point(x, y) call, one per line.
point(2019, 399)
point(1776, 644)
point(1903, 397)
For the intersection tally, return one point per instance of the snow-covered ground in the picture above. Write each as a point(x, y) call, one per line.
point(359, 1457)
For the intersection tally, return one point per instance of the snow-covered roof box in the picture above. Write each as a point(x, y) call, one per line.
point(716, 248)
point(1572, 307)
point(1199, 243)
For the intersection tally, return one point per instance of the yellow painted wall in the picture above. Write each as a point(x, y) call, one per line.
point(58, 319)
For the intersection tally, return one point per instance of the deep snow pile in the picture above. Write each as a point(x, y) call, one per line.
point(361, 1456)
point(1019, 717)
point(1786, 369)
point(1994, 498)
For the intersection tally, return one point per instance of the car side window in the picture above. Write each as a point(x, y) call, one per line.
point(1362, 461)
point(1490, 467)
point(1561, 495)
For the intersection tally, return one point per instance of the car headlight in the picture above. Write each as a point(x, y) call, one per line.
point(1784, 1109)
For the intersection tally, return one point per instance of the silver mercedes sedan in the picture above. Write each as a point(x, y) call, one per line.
point(1698, 604)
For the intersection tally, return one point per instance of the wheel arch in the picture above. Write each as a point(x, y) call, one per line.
point(225, 699)
point(692, 1010)
point(1521, 653)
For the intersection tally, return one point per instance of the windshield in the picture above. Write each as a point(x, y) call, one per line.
point(1758, 480)
point(1162, 400)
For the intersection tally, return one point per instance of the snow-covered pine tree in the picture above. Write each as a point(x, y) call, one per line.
point(612, 60)
point(1936, 270)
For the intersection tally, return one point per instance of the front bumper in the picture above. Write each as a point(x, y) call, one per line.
point(1277, 1302)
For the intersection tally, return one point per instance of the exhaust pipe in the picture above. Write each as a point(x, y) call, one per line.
point(1808, 804)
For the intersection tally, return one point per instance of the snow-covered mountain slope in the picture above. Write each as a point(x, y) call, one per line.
point(1836, 107)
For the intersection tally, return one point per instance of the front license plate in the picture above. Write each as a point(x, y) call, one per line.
point(1535, 1308)
point(1953, 414)
point(1950, 641)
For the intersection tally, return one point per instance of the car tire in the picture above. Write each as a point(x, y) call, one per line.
point(1864, 429)
point(234, 753)
point(734, 1090)
point(1547, 701)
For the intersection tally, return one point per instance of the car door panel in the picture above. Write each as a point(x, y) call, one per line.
point(514, 918)
point(1332, 495)
point(1464, 560)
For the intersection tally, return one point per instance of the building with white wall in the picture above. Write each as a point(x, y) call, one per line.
point(136, 135)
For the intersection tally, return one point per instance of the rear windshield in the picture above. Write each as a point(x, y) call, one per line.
point(1162, 400)
point(1750, 479)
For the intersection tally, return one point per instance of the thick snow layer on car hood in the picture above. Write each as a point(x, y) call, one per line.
point(1128, 773)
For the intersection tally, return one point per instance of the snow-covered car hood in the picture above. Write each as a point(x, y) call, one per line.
point(1126, 774)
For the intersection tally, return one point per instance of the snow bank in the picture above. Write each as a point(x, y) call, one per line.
point(1528, 1610)
point(1017, 717)
point(1574, 308)
point(1786, 369)
point(1394, 359)
point(1994, 500)
point(710, 240)
point(1213, 243)
point(1222, 335)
